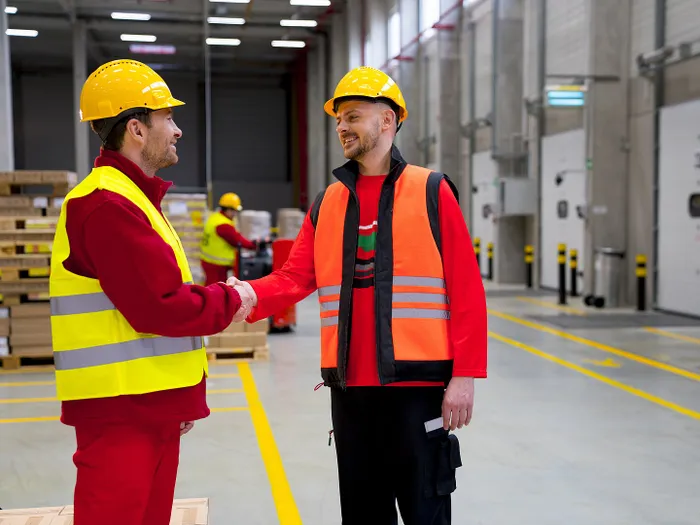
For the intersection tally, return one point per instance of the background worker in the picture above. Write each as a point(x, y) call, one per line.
point(221, 240)
point(403, 313)
point(118, 273)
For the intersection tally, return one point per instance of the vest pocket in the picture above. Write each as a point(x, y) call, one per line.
point(441, 468)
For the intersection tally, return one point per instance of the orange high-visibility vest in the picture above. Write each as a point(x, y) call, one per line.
point(412, 307)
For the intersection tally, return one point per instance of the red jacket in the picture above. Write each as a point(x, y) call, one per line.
point(468, 317)
point(112, 240)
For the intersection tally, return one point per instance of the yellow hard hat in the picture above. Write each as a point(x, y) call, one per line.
point(230, 200)
point(123, 85)
point(365, 81)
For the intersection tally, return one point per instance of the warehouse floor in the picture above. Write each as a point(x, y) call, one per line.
point(578, 426)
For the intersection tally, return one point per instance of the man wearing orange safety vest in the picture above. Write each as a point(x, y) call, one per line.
point(126, 320)
point(221, 240)
point(402, 312)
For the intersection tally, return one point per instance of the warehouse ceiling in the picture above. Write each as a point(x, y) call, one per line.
point(173, 37)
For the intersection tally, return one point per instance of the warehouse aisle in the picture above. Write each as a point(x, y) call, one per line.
point(578, 425)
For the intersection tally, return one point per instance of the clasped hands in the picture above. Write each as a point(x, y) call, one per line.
point(249, 299)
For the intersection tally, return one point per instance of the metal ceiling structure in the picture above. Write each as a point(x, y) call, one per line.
point(177, 29)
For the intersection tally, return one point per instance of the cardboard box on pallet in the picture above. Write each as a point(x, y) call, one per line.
point(30, 330)
point(185, 512)
point(239, 340)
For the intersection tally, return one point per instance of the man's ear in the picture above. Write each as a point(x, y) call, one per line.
point(135, 129)
point(388, 119)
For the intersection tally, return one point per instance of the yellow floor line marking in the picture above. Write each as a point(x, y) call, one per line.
point(287, 511)
point(222, 376)
point(572, 366)
point(10, 401)
point(547, 304)
point(29, 419)
point(33, 369)
point(599, 346)
point(28, 383)
point(680, 337)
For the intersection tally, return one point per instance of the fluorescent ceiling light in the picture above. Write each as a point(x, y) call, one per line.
point(230, 1)
point(288, 43)
point(10, 10)
point(226, 20)
point(22, 32)
point(223, 41)
point(311, 3)
point(138, 38)
point(151, 49)
point(130, 16)
point(298, 23)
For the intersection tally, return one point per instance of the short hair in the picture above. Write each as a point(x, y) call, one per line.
point(115, 135)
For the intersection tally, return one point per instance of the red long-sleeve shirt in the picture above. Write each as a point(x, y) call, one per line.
point(112, 240)
point(232, 236)
point(468, 318)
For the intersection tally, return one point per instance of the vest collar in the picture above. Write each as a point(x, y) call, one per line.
point(348, 172)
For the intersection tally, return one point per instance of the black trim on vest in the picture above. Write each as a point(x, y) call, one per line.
point(433, 199)
point(316, 207)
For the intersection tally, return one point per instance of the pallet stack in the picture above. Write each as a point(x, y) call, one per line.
point(30, 202)
point(240, 340)
point(187, 212)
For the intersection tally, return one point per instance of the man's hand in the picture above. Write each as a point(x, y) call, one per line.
point(458, 403)
point(248, 298)
point(185, 427)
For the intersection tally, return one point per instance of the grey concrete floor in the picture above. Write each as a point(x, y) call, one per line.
point(583, 427)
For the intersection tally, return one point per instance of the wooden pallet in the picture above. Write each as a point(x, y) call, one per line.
point(15, 298)
point(23, 274)
point(14, 362)
point(258, 353)
point(24, 261)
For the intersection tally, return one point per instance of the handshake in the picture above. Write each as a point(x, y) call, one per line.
point(248, 298)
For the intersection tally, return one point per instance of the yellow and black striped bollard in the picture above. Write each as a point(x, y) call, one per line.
point(477, 251)
point(489, 255)
point(561, 260)
point(641, 272)
point(529, 258)
point(573, 264)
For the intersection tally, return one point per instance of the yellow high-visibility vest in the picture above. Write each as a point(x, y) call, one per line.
point(214, 249)
point(96, 351)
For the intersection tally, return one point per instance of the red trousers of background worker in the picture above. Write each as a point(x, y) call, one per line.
point(214, 273)
point(126, 473)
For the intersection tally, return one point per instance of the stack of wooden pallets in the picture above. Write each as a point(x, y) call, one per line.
point(187, 212)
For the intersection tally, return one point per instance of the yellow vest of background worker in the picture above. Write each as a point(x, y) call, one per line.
point(214, 249)
point(96, 351)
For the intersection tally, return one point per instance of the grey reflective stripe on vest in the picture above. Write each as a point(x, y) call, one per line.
point(223, 260)
point(328, 290)
point(87, 303)
point(329, 321)
point(432, 282)
point(330, 305)
point(417, 297)
point(123, 352)
point(419, 313)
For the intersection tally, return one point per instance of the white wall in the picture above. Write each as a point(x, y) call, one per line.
point(563, 151)
point(567, 38)
point(679, 233)
point(484, 174)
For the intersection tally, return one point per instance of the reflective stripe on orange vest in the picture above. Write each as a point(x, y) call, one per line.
point(412, 307)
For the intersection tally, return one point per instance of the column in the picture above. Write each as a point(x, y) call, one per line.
point(337, 69)
point(354, 31)
point(506, 133)
point(409, 82)
point(82, 129)
point(606, 121)
point(7, 146)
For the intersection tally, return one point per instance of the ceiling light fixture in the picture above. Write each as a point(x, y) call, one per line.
point(297, 44)
point(223, 41)
point(138, 38)
point(10, 10)
point(31, 33)
point(151, 49)
point(298, 23)
point(226, 20)
point(230, 1)
point(311, 3)
point(130, 16)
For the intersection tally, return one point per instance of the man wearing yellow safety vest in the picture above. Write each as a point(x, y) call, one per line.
point(126, 321)
point(402, 312)
point(221, 240)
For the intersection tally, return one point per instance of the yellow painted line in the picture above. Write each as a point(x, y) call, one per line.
point(287, 511)
point(548, 304)
point(32, 369)
point(680, 337)
point(222, 376)
point(608, 363)
point(29, 419)
point(27, 383)
point(572, 366)
point(226, 391)
point(8, 401)
point(599, 346)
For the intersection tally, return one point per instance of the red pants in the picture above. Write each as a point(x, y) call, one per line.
point(126, 474)
point(214, 273)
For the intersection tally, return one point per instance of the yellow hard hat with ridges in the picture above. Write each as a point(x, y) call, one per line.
point(230, 200)
point(122, 85)
point(365, 81)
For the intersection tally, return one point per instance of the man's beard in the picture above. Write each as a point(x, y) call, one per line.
point(366, 144)
point(157, 159)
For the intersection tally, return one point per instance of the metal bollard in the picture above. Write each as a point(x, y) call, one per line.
point(477, 251)
point(573, 264)
point(528, 264)
point(489, 255)
point(561, 259)
point(641, 272)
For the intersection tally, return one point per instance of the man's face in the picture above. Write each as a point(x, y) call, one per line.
point(159, 150)
point(359, 125)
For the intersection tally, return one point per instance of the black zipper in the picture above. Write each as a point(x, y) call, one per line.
point(346, 350)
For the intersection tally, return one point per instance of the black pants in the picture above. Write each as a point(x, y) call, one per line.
point(385, 456)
